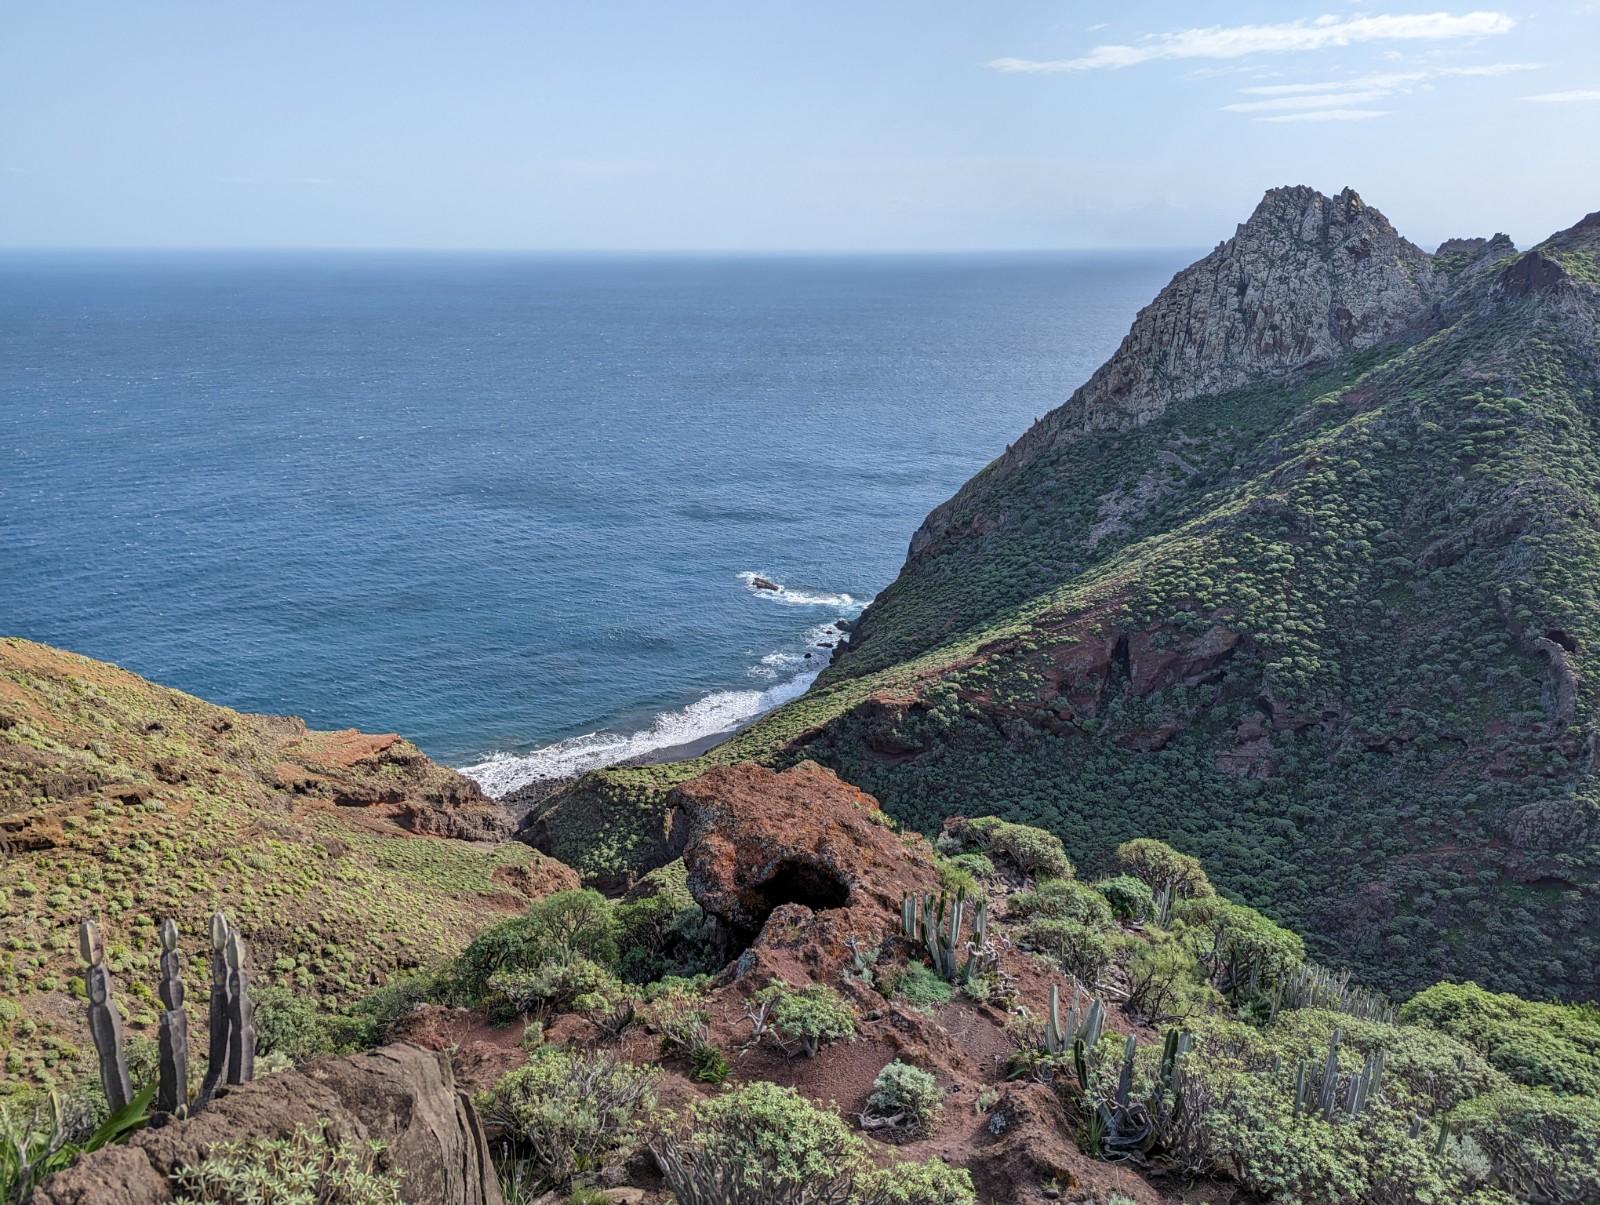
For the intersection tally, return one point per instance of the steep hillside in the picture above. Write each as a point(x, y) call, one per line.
point(1302, 581)
point(129, 802)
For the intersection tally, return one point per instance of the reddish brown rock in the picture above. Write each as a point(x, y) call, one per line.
point(796, 862)
point(401, 1096)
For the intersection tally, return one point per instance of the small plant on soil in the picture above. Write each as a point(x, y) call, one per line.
point(710, 1067)
point(809, 1018)
point(919, 987)
point(904, 1099)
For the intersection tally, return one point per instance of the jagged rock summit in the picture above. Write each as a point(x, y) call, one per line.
point(1306, 279)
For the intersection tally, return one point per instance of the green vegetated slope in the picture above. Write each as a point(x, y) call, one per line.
point(1329, 631)
point(128, 803)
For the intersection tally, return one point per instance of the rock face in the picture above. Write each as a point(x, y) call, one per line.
point(1306, 279)
point(799, 860)
point(401, 1096)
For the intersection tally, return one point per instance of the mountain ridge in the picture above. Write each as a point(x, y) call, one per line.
point(1325, 626)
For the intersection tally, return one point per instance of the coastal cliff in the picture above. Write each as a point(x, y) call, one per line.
point(1303, 580)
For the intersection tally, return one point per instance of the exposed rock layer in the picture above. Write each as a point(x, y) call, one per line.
point(401, 1096)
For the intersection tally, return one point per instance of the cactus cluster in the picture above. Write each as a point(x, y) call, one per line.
point(1161, 905)
point(1081, 1030)
point(935, 925)
point(1126, 1125)
point(1313, 986)
point(232, 1050)
point(1323, 1097)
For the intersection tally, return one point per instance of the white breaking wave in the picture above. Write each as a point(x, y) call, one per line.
point(801, 598)
point(716, 713)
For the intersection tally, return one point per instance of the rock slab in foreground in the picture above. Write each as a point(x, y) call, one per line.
point(401, 1095)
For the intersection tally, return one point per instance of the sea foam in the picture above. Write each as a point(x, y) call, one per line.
point(720, 712)
point(802, 598)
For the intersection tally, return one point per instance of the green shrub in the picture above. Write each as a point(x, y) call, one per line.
point(570, 1111)
point(1165, 981)
point(1130, 898)
point(760, 1144)
point(579, 985)
point(979, 866)
point(677, 1013)
point(707, 1064)
point(375, 1016)
point(1062, 899)
point(1071, 922)
point(1542, 1147)
point(308, 1167)
point(932, 1183)
point(1031, 850)
point(1425, 1071)
point(904, 1097)
point(1553, 1045)
point(559, 928)
point(662, 931)
point(1158, 865)
point(920, 986)
point(810, 1018)
point(290, 1024)
point(954, 877)
point(1083, 951)
point(1242, 949)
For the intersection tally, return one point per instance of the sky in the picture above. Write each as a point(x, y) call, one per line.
point(886, 125)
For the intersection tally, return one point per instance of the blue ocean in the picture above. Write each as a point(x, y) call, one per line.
point(511, 506)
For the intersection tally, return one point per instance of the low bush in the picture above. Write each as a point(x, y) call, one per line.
point(1130, 898)
point(578, 985)
point(920, 986)
point(761, 1144)
point(559, 928)
point(1541, 1146)
point(904, 1098)
point(290, 1024)
point(1243, 951)
point(1158, 865)
point(569, 1112)
point(1033, 851)
point(932, 1183)
point(809, 1018)
point(1166, 982)
point(1540, 1044)
point(309, 1167)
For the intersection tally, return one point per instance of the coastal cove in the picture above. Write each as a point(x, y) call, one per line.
point(507, 503)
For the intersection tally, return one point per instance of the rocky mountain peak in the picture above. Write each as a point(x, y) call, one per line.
point(1305, 279)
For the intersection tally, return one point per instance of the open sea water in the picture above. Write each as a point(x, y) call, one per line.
point(510, 506)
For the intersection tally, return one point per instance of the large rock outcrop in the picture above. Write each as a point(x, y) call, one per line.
point(401, 1096)
point(798, 862)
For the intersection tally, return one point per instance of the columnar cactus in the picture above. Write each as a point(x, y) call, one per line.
point(217, 1015)
point(241, 1013)
point(172, 1094)
point(105, 1023)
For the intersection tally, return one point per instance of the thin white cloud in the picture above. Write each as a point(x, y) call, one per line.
point(1362, 90)
point(1575, 97)
point(1311, 100)
point(1331, 115)
point(1390, 81)
point(1237, 41)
